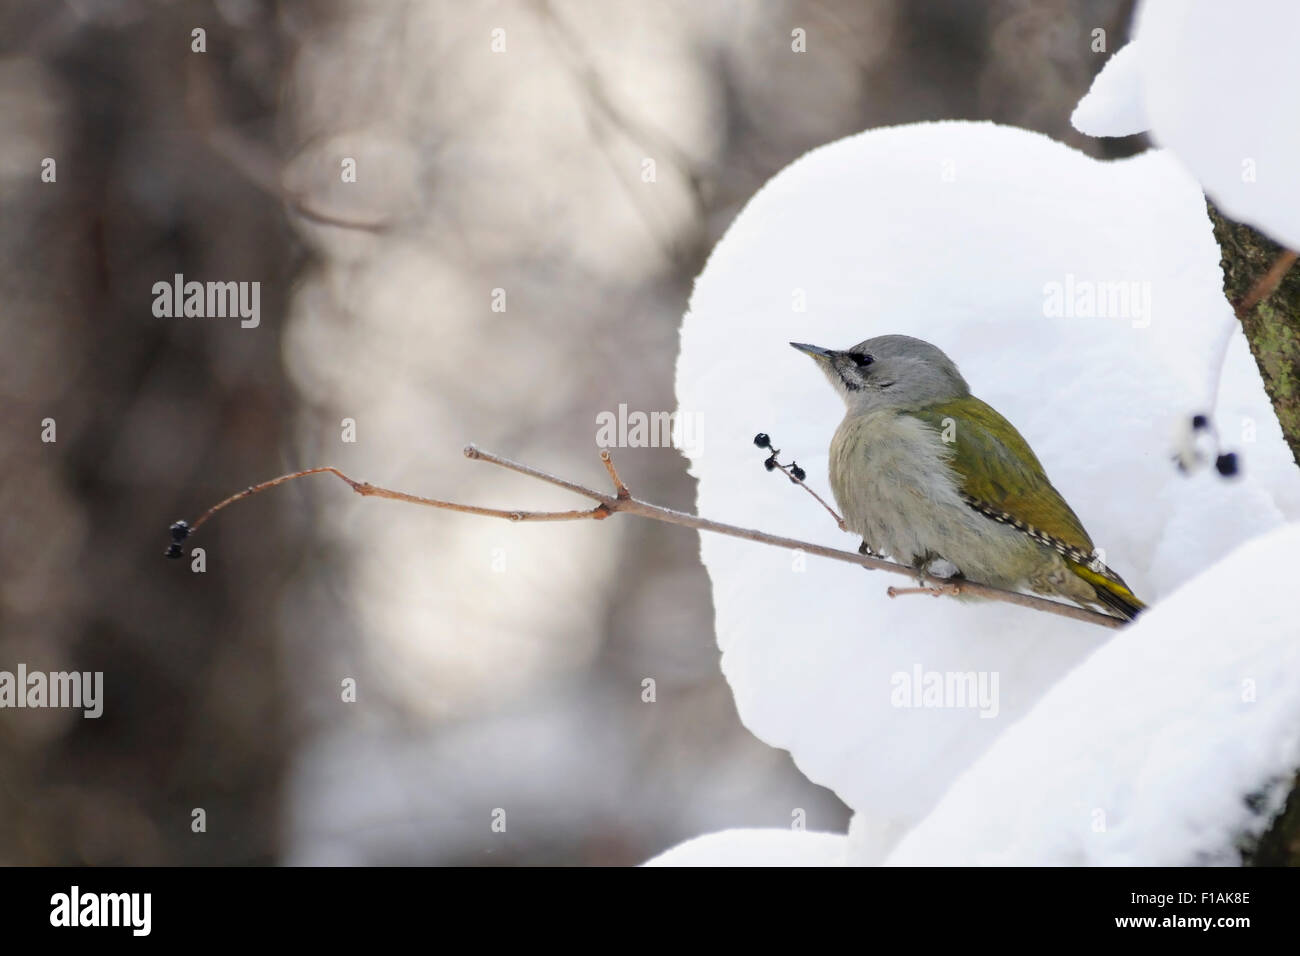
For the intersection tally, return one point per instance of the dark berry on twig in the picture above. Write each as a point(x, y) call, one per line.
point(799, 473)
point(770, 463)
point(180, 530)
point(173, 550)
point(1226, 464)
point(762, 441)
point(1199, 422)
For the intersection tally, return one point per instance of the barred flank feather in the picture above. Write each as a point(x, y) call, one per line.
point(1110, 587)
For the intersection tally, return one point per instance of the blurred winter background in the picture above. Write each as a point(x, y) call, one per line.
point(496, 665)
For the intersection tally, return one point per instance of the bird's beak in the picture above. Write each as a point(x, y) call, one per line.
point(816, 351)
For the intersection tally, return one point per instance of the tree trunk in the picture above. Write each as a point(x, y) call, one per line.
point(1273, 330)
point(1273, 326)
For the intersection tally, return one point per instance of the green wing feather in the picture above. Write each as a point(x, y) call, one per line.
point(997, 468)
point(999, 473)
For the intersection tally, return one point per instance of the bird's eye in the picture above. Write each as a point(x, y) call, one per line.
point(861, 361)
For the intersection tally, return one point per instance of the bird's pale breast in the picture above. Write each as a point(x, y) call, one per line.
point(890, 476)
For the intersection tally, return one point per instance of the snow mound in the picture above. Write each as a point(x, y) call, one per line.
point(757, 848)
point(1083, 299)
point(1171, 746)
point(1214, 82)
point(1114, 105)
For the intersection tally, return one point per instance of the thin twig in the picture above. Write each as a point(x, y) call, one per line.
point(1267, 283)
point(788, 469)
point(795, 474)
point(623, 502)
point(951, 588)
point(621, 488)
point(368, 490)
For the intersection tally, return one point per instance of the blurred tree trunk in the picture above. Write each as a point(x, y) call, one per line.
point(155, 417)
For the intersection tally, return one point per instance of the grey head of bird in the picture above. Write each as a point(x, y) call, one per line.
point(889, 371)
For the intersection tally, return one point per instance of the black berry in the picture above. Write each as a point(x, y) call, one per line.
point(173, 550)
point(770, 463)
point(1226, 464)
point(1199, 422)
point(180, 530)
point(762, 441)
point(798, 472)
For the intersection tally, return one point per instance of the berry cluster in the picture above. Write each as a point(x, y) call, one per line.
point(1225, 463)
point(180, 530)
point(771, 464)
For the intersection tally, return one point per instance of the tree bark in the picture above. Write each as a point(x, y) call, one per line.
point(1280, 843)
point(1272, 328)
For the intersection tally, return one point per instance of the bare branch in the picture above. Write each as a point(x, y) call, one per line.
point(622, 501)
point(368, 490)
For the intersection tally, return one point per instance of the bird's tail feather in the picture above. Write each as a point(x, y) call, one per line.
point(1112, 592)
